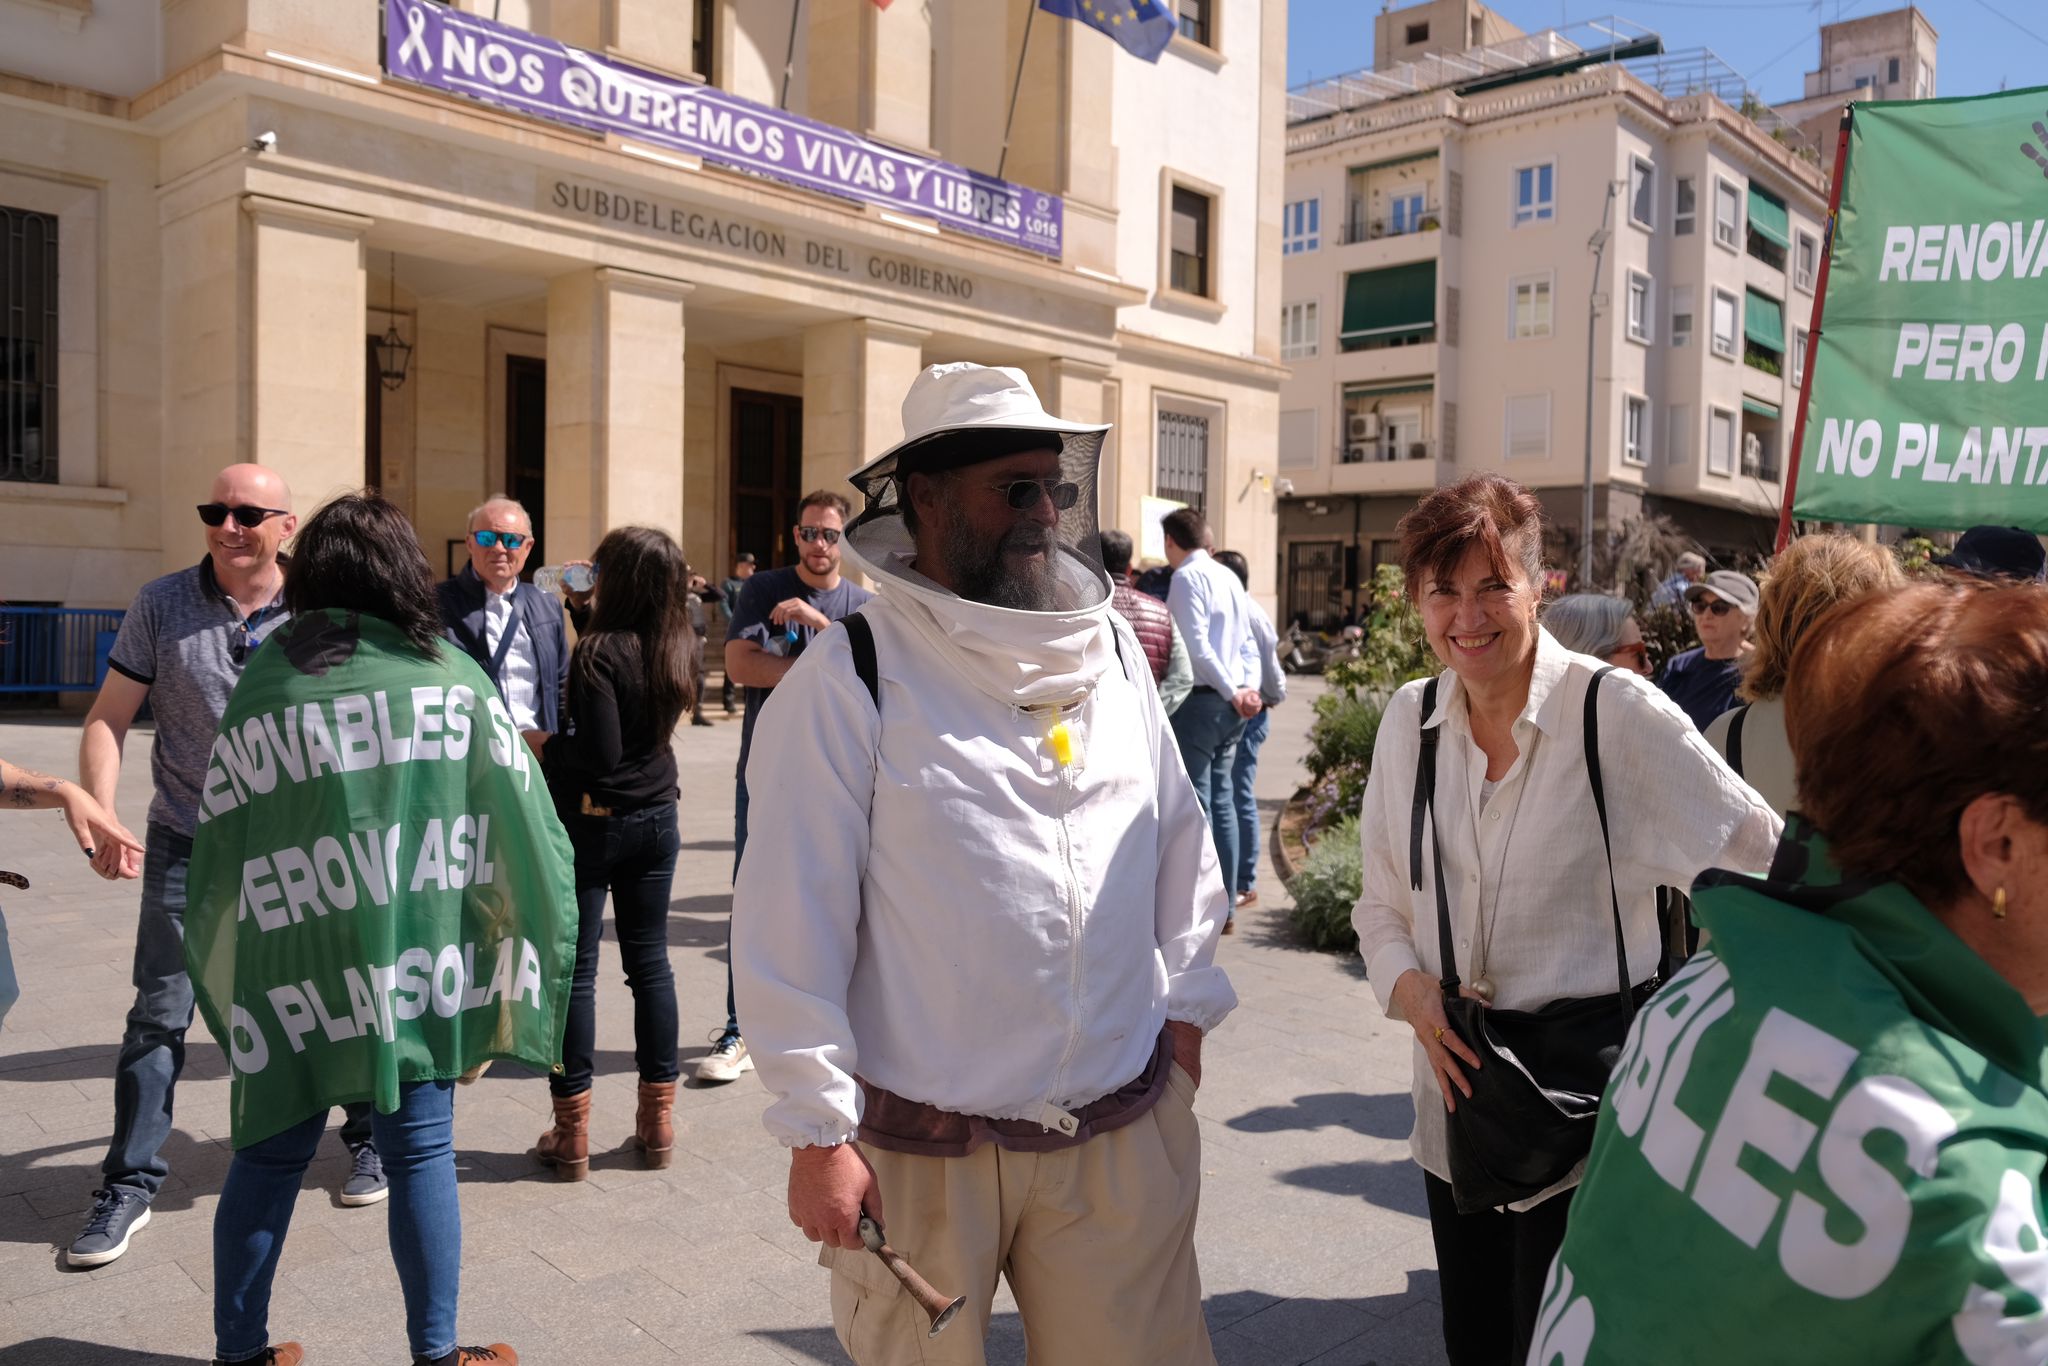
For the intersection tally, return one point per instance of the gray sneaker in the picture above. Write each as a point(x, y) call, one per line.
point(116, 1213)
point(726, 1060)
point(366, 1184)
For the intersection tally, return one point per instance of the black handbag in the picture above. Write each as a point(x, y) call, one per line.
point(1536, 1096)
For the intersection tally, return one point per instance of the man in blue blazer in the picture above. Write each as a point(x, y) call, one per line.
point(511, 628)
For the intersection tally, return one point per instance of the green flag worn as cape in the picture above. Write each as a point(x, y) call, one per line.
point(1824, 1143)
point(380, 892)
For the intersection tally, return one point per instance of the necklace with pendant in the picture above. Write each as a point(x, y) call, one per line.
point(1481, 984)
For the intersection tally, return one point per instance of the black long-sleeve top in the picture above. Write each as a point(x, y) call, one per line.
point(609, 746)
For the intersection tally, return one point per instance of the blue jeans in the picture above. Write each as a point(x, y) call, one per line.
point(631, 858)
point(739, 848)
point(153, 1047)
point(1207, 728)
point(417, 1143)
point(1242, 771)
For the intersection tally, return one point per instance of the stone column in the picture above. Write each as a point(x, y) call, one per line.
point(268, 301)
point(615, 406)
point(877, 80)
point(856, 372)
point(1060, 141)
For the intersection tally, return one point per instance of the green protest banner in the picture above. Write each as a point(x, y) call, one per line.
point(1927, 404)
point(380, 891)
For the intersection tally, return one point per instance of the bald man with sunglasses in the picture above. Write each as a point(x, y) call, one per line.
point(182, 647)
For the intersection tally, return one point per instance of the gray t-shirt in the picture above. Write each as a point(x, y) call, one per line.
point(186, 641)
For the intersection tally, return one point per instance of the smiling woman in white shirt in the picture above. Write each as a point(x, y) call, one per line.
point(1505, 820)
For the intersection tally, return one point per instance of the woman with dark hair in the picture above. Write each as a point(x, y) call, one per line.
point(1511, 861)
point(1829, 1130)
point(366, 839)
point(613, 777)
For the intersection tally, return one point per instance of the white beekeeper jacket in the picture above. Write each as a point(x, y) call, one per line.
point(930, 899)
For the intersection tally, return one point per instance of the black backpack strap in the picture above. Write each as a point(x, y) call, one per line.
point(1735, 738)
point(860, 637)
point(1592, 727)
point(1425, 804)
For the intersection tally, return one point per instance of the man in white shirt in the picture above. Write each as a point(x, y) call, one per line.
point(1214, 615)
point(977, 965)
point(511, 628)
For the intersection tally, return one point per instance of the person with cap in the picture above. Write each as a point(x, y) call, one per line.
point(1702, 680)
point(977, 971)
point(1688, 570)
point(1998, 552)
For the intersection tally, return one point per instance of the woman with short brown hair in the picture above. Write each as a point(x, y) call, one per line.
point(1486, 878)
point(1831, 1128)
point(1810, 576)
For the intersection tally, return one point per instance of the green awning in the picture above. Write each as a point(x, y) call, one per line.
point(1767, 217)
point(1763, 322)
point(1352, 391)
point(1384, 303)
point(1759, 407)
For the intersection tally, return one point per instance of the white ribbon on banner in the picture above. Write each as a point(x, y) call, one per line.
point(413, 51)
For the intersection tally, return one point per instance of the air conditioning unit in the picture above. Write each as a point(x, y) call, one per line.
point(1364, 426)
point(1359, 452)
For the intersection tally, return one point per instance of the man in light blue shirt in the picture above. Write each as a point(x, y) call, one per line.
point(1214, 615)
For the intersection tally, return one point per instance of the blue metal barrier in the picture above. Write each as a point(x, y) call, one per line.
point(55, 649)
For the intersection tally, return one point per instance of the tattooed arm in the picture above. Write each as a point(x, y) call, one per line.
point(92, 825)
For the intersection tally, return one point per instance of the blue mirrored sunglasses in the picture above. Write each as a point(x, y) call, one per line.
point(511, 540)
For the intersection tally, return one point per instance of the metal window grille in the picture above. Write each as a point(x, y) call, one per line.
point(1315, 583)
point(1183, 459)
point(28, 346)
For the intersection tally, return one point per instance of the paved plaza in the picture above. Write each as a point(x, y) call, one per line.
point(1314, 1245)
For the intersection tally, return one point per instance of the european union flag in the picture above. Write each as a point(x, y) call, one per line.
point(1142, 28)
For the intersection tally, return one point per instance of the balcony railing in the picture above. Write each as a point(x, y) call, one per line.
point(55, 649)
point(1359, 228)
point(1384, 451)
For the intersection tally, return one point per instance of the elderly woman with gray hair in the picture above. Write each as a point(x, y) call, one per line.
point(1601, 626)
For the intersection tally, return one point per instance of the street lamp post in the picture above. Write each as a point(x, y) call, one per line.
point(1597, 244)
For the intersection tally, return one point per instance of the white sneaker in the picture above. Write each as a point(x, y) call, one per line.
point(726, 1060)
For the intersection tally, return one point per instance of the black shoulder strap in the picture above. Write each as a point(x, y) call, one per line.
point(1606, 842)
point(861, 638)
point(1425, 802)
point(1735, 738)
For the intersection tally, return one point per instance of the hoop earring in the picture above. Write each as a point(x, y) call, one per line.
point(1998, 904)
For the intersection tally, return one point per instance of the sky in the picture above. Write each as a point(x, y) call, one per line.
point(1773, 43)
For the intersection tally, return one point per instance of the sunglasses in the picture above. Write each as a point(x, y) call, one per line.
point(1022, 495)
point(828, 534)
point(1639, 652)
point(511, 540)
point(216, 514)
point(1718, 607)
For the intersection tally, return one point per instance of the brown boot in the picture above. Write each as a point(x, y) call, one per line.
point(654, 1134)
point(566, 1147)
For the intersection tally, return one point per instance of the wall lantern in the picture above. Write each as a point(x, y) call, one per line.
point(394, 353)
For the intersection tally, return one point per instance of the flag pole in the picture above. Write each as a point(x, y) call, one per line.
point(1016, 86)
point(1820, 298)
point(796, 15)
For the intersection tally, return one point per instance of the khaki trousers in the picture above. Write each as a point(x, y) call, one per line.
point(1097, 1241)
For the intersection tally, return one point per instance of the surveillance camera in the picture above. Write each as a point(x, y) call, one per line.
point(1284, 487)
point(263, 142)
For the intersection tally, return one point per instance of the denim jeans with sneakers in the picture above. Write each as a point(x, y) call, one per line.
point(1207, 726)
point(153, 1048)
point(417, 1144)
point(739, 849)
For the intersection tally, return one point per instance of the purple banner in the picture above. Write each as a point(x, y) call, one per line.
point(432, 45)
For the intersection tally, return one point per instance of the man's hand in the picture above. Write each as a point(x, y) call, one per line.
point(1187, 1048)
point(1248, 702)
point(828, 1189)
point(800, 612)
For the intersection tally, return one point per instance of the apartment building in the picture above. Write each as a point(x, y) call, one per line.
point(1443, 309)
point(448, 249)
point(1880, 57)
